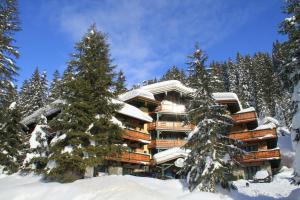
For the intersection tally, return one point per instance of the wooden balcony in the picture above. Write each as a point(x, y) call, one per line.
point(131, 157)
point(244, 117)
point(166, 108)
point(254, 135)
point(136, 136)
point(256, 156)
point(166, 144)
point(167, 125)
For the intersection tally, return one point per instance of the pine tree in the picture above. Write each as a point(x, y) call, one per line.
point(9, 24)
point(208, 163)
point(85, 121)
point(120, 87)
point(216, 77)
point(37, 152)
point(11, 136)
point(56, 88)
point(68, 76)
point(23, 98)
point(232, 76)
point(291, 67)
point(174, 74)
point(38, 92)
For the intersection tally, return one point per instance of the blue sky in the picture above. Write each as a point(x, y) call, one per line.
point(146, 37)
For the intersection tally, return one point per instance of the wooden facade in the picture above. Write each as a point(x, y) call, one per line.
point(256, 156)
point(131, 157)
point(170, 125)
point(135, 135)
point(244, 117)
point(254, 135)
point(166, 144)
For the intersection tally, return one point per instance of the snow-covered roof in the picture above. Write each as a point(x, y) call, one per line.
point(165, 86)
point(132, 111)
point(134, 93)
point(250, 109)
point(227, 96)
point(53, 107)
point(170, 154)
point(46, 111)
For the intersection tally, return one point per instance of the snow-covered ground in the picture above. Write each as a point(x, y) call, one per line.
point(16, 187)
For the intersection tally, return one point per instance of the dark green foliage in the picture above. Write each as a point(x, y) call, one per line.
point(34, 94)
point(208, 163)
point(9, 24)
point(174, 74)
point(120, 86)
point(85, 119)
point(12, 137)
point(56, 88)
point(215, 71)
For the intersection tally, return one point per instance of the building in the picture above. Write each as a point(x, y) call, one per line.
point(168, 130)
point(153, 119)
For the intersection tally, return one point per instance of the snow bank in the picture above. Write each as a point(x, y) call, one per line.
point(136, 188)
point(166, 86)
point(134, 93)
point(279, 188)
point(104, 187)
point(262, 174)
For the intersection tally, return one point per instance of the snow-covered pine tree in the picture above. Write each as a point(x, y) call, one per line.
point(291, 27)
point(56, 88)
point(23, 98)
point(174, 73)
point(67, 77)
point(243, 65)
point(12, 138)
point(9, 24)
point(87, 133)
point(232, 76)
point(225, 76)
point(208, 163)
point(120, 86)
point(284, 103)
point(37, 151)
point(216, 77)
point(38, 91)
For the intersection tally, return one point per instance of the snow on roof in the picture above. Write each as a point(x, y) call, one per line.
point(52, 108)
point(250, 109)
point(46, 111)
point(222, 96)
point(132, 111)
point(170, 154)
point(134, 93)
point(165, 86)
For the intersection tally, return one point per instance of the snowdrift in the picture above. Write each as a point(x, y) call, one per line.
point(136, 188)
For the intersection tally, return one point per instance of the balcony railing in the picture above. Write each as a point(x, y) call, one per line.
point(166, 144)
point(272, 154)
point(254, 135)
point(131, 157)
point(244, 117)
point(136, 136)
point(167, 125)
point(171, 108)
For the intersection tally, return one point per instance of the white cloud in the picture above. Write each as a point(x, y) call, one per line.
point(147, 36)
